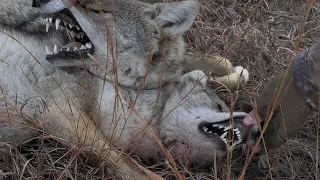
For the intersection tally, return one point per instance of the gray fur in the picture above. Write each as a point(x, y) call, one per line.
point(76, 106)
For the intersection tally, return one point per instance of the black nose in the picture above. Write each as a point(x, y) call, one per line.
point(35, 3)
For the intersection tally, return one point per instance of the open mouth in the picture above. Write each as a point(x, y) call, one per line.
point(229, 134)
point(79, 45)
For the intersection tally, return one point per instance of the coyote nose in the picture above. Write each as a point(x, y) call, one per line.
point(36, 3)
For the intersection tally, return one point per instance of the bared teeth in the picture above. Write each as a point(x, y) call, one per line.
point(47, 26)
point(83, 47)
point(89, 45)
point(48, 52)
point(55, 49)
point(58, 21)
point(68, 49)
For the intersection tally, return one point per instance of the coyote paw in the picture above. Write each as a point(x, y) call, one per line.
point(243, 74)
point(235, 80)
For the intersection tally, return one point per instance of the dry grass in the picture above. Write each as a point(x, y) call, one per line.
point(256, 34)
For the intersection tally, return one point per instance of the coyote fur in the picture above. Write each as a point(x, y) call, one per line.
point(114, 76)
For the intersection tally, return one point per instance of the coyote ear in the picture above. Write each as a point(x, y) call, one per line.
point(175, 18)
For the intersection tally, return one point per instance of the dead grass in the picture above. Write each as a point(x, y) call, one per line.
point(259, 35)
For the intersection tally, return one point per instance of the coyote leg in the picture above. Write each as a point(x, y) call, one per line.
point(234, 80)
point(77, 128)
point(215, 65)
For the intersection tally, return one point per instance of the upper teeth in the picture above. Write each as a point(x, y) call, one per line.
point(88, 45)
point(73, 30)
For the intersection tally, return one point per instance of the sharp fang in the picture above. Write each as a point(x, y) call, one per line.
point(82, 47)
point(55, 49)
point(223, 135)
point(50, 20)
point(78, 27)
point(68, 49)
point(70, 26)
point(210, 131)
point(205, 129)
point(227, 128)
point(47, 27)
point(58, 21)
point(48, 51)
point(88, 45)
point(75, 48)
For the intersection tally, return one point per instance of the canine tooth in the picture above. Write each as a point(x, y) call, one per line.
point(83, 47)
point(223, 135)
point(55, 49)
point(68, 49)
point(47, 27)
point(210, 131)
point(58, 21)
point(77, 27)
point(50, 20)
point(205, 129)
point(75, 48)
point(88, 45)
point(70, 26)
point(48, 51)
point(227, 128)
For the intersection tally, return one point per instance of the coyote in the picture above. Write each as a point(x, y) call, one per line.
point(114, 76)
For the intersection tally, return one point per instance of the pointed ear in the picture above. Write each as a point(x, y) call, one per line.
point(175, 18)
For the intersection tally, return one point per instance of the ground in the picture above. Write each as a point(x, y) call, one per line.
point(258, 35)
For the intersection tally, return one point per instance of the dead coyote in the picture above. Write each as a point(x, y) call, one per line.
point(127, 84)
